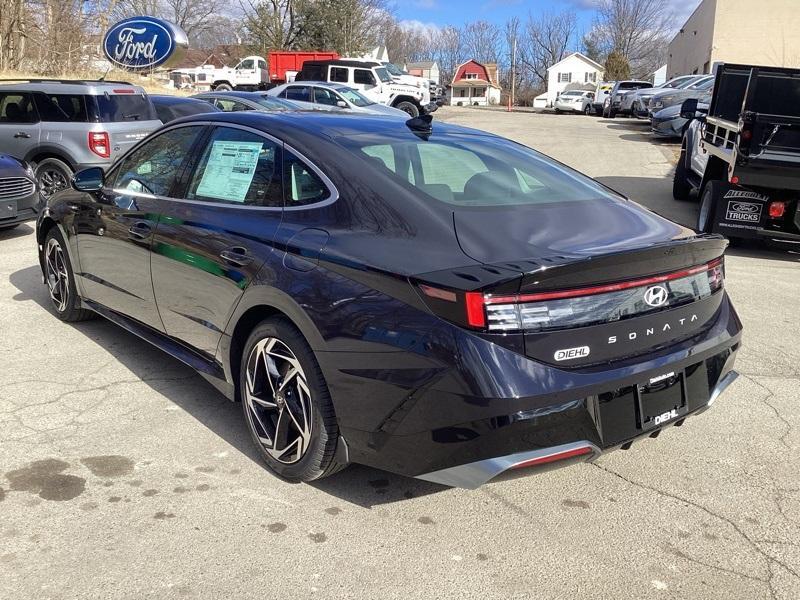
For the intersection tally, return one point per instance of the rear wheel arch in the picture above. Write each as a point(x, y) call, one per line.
point(251, 312)
point(44, 152)
point(716, 170)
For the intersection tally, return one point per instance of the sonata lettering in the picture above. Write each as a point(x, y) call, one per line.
point(632, 335)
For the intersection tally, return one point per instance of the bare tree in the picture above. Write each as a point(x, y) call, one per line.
point(193, 16)
point(448, 52)
point(481, 41)
point(12, 33)
point(547, 40)
point(271, 24)
point(637, 29)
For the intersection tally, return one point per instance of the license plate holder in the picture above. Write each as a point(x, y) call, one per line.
point(661, 400)
point(8, 209)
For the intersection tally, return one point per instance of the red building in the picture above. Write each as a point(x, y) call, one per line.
point(475, 84)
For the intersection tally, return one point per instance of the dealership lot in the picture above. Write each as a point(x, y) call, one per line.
point(125, 475)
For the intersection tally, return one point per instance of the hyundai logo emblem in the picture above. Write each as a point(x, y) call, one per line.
point(656, 295)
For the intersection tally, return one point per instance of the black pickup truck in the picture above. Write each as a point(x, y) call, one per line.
point(742, 155)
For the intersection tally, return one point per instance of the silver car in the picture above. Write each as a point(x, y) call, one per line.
point(63, 126)
point(234, 101)
point(319, 93)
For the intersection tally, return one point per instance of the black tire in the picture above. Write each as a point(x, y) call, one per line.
point(67, 308)
point(408, 107)
point(708, 207)
point(223, 87)
point(681, 188)
point(318, 457)
point(557, 111)
point(53, 175)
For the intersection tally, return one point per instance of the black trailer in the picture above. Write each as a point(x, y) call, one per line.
point(743, 157)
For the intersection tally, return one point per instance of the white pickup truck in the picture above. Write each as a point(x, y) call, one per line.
point(371, 79)
point(249, 74)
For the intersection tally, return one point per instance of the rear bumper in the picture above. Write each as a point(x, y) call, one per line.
point(475, 474)
point(491, 408)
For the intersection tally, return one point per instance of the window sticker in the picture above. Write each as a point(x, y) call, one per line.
point(229, 170)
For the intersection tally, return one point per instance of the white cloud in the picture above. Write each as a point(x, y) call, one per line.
point(414, 25)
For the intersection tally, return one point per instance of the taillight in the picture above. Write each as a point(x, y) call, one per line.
point(563, 309)
point(99, 143)
point(777, 209)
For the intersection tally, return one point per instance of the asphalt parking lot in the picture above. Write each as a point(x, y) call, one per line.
point(124, 475)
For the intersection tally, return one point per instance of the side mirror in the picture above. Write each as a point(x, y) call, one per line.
point(341, 104)
point(89, 180)
point(689, 108)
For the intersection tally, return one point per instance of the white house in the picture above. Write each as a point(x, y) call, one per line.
point(429, 69)
point(575, 71)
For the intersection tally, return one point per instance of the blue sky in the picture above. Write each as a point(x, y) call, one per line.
point(449, 12)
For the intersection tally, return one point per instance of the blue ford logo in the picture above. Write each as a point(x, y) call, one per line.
point(144, 43)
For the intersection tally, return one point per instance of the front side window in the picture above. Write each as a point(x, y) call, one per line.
point(302, 185)
point(17, 107)
point(247, 64)
point(238, 167)
point(364, 77)
point(325, 96)
point(339, 74)
point(152, 168)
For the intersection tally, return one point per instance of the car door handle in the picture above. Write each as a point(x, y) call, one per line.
point(236, 255)
point(140, 230)
point(22, 134)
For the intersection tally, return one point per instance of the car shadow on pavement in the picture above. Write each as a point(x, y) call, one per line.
point(182, 386)
point(18, 231)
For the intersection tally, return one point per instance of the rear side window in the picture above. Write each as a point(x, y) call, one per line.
point(60, 108)
point(238, 167)
point(303, 186)
point(230, 105)
point(118, 108)
point(17, 108)
point(152, 168)
point(339, 75)
point(301, 93)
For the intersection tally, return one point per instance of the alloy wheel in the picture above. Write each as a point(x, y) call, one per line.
point(51, 181)
point(278, 400)
point(57, 275)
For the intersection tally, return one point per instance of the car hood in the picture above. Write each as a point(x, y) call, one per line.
point(11, 167)
point(563, 230)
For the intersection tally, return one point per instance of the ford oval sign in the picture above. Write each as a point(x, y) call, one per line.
point(144, 43)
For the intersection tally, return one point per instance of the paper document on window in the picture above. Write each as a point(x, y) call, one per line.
point(230, 170)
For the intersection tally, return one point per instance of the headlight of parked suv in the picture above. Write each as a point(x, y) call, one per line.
point(658, 104)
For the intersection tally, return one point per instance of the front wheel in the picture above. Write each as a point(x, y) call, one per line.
point(286, 403)
point(223, 87)
point(408, 107)
point(60, 280)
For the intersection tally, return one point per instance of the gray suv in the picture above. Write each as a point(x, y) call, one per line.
point(61, 127)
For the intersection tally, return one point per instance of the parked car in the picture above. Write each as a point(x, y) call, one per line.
point(19, 196)
point(575, 101)
point(741, 155)
point(169, 108)
point(234, 101)
point(613, 104)
point(600, 94)
point(371, 79)
point(312, 94)
point(344, 278)
point(670, 123)
point(668, 98)
point(641, 98)
point(61, 126)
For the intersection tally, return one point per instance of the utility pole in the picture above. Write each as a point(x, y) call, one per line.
point(513, 68)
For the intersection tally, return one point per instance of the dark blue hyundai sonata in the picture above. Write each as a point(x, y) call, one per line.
point(422, 298)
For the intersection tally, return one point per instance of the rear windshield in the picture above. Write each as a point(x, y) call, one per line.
point(119, 108)
point(473, 171)
point(633, 85)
